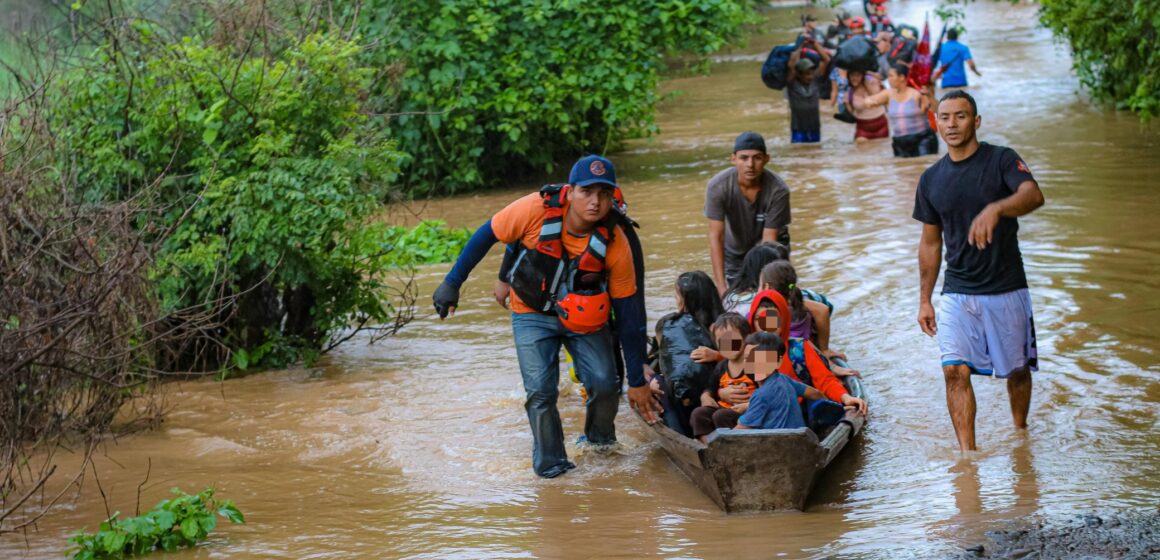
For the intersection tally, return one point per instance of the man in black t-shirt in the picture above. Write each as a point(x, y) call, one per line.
point(969, 200)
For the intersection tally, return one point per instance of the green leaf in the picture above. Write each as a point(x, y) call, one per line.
point(230, 512)
point(189, 529)
point(241, 358)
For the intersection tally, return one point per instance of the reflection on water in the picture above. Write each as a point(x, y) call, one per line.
point(418, 447)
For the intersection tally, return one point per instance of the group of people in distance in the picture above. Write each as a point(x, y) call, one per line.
point(747, 346)
point(890, 102)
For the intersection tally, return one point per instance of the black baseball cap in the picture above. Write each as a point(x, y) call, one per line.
point(749, 141)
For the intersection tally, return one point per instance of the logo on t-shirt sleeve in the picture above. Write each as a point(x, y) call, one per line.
point(1022, 166)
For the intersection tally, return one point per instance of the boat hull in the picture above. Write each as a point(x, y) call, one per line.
point(758, 470)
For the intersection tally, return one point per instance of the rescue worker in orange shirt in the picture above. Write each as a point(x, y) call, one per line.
point(574, 268)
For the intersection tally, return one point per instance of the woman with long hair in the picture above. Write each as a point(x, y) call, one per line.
point(697, 296)
point(871, 121)
point(906, 109)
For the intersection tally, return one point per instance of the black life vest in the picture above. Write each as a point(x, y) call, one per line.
point(544, 274)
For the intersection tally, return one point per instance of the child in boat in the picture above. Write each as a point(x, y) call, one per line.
point(681, 379)
point(781, 277)
point(802, 362)
point(748, 283)
point(775, 404)
point(731, 379)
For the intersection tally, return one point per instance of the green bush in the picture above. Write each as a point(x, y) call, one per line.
point(176, 523)
point(1115, 47)
point(429, 242)
point(269, 173)
point(492, 91)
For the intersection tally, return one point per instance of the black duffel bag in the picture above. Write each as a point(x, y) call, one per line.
point(775, 70)
point(857, 54)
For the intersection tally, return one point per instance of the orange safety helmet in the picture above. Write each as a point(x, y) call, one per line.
point(584, 314)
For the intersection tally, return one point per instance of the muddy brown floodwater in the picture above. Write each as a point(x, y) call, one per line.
point(418, 447)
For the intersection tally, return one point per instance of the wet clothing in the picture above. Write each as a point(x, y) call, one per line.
point(804, 116)
point(913, 145)
point(745, 222)
point(911, 128)
point(774, 406)
point(906, 117)
point(538, 338)
point(954, 56)
point(872, 129)
point(707, 419)
point(950, 194)
point(993, 334)
point(799, 137)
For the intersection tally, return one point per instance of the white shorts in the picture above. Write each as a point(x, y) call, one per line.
point(993, 334)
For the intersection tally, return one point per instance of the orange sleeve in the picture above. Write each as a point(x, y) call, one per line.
point(824, 379)
point(786, 368)
point(621, 273)
point(511, 223)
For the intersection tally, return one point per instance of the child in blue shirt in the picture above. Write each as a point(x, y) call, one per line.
point(775, 405)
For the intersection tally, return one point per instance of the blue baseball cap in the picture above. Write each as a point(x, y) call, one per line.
point(591, 170)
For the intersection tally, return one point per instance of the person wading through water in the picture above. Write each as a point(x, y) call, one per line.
point(969, 200)
point(745, 205)
point(574, 268)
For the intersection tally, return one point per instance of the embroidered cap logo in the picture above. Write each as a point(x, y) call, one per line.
point(597, 168)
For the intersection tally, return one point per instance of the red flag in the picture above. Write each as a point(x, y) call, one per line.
point(921, 69)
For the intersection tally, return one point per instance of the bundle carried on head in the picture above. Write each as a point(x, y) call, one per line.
point(857, 54)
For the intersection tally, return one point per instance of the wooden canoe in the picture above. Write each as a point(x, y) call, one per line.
point(759, 470)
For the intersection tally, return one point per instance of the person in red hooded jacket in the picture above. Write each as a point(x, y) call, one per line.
point(801, 362)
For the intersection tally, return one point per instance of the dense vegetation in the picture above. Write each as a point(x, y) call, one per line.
point(197, 188)
point(1116, 47)
point(269, 175)
point(493, 91)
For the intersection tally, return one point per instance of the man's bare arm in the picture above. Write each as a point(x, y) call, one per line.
point(1026, 199)
point(929, 255)
point(717, 253)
